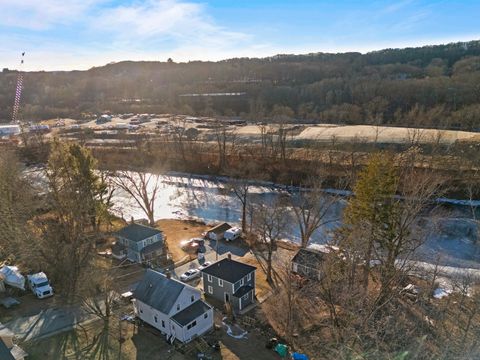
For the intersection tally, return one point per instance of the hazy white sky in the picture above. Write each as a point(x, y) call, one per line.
point(79, 34)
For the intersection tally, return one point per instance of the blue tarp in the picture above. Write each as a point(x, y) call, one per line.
point(298, 356)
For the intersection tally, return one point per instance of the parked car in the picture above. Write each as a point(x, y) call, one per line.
point(193, 243)
point(190, 275)
point(204, 265)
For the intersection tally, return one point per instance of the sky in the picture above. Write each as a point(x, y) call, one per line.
point(80, 34)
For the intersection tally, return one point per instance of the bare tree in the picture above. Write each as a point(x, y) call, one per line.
point(240, 188)
point(142, 187)
point(311, 207)
point(270, 224)
point(224, 137)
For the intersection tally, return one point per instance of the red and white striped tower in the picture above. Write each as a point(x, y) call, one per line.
point(18, 92)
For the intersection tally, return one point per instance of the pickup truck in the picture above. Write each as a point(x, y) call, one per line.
point(40, 285)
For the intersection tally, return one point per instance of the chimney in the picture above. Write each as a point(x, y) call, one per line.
point(132, 221)
point(229, 256)
point(168, 275)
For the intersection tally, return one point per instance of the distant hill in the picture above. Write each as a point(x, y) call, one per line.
point(430, 86)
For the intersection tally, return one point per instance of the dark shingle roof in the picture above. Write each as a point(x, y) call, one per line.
point(229, 270)
point(243, 290)
point(309, 257)
point(156, 290)
point(137, 232)
point(5, 353)
point(190, 313)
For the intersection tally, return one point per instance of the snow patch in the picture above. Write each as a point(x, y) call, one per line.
point(441, 293)
point(230, 332)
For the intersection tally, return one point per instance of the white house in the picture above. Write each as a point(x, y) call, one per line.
point(174, 308)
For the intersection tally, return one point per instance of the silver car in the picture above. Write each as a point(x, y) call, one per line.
point(190, 275)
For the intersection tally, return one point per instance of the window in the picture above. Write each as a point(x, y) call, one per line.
point(220, 282)
point(192, 298)
point(163, 323)
point(178, 306)
point(156, 319)
point(210, 290)
point(246, 296)
point(241, 282)
point(191, 325)
point(249, 277)
point(205, 315)
point(209, 278)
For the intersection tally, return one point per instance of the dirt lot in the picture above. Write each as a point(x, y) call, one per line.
point(177, 231)
point(262, 287)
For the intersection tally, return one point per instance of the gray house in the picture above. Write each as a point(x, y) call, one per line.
point(140, 243)
point(308, 263)
point(174, 308)
point(231, 282)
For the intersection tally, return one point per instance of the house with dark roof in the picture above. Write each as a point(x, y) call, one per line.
point(231, 282)
point(139, 243)
point(8, 349)
point(5, 353)
point(174, 308)
point(308, 263)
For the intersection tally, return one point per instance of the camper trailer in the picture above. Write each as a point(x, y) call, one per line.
point(232, 234)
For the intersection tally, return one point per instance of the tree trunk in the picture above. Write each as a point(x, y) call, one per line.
point(244, 214)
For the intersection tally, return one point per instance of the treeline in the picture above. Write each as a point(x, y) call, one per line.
point(431, 86)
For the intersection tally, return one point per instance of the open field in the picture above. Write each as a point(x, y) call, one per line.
point(163, 124)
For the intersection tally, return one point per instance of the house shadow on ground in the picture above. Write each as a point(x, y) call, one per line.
point(224, 247)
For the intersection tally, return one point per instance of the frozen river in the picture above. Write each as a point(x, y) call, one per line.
point(452, 239)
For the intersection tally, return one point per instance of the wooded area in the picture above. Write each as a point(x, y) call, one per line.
point(431, 86)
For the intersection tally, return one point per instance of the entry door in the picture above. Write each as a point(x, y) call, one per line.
point(227, 297)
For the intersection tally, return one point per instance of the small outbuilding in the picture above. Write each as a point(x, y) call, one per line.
point(218, 232)
point(308, 263)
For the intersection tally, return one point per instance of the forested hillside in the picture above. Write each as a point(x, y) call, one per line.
point(431, 86)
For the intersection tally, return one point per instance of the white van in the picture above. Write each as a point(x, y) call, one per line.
point(232, 234)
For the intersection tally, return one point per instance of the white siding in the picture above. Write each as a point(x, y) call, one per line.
point(202, 326)
point(185, 299)
point(147, 313)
